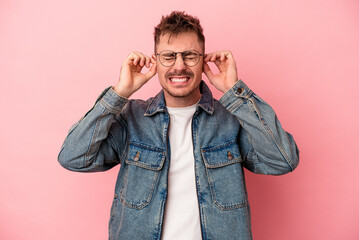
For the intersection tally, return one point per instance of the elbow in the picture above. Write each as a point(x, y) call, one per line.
point(292, 163)
point(295, 159)
point(69, 162)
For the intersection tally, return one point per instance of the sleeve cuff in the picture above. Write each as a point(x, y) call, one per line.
point(236, 95)
point(112, 101)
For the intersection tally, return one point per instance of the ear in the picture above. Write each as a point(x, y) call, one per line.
point(154, 57)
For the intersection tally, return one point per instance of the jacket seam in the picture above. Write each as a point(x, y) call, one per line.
point(94, 136)
point(110, 108)
point(270, 133)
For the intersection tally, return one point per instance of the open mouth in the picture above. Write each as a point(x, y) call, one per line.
point(179, 79)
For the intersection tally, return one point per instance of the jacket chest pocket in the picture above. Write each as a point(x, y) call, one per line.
point(225, 175)
point(143, 165)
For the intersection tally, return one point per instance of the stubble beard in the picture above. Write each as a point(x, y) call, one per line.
point(179, 93)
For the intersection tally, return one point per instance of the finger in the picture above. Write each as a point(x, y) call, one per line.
point(153, 59)
point(135, 59)
point(141, 58)
point(223, 56)
point(148, 61)
point(213, 57)
point(130, 58)
point(151, 72)
point(208, 57)
point(229, 54)
point(207, 70)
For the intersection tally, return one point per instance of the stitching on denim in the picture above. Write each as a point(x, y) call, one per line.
point(148, 199)
point(160, 222)
point(141, 145)
point(236, 104)
point(212, 148)
point(270, 133)
point(125, 149)
point(229, 206)
point(223, 164)
point(148, 106)
point(196, 158)
point(145, 165)
point(214, 197)
point(94, 136)
point(110, 108)
point(216, 148)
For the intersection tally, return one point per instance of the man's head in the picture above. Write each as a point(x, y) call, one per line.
point(175, 34)
point(177, 23)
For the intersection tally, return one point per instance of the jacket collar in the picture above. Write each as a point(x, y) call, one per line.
point(158, 103)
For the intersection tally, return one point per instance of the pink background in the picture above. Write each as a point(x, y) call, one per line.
point(56, 57)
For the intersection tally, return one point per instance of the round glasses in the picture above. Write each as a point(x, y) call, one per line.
point(190, 58)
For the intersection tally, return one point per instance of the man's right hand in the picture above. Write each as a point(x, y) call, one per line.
point(131, 78)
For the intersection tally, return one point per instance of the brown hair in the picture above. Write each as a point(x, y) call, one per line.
point(176, 23)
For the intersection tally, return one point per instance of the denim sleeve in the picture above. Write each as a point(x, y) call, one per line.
point(264, 145)
point(90, 144)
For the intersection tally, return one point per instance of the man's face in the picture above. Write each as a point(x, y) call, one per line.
point(180, 82)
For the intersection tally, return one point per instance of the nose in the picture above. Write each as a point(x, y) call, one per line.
point(179, 63)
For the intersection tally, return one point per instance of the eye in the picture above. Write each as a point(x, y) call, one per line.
point(168, 56)
point(190, 55)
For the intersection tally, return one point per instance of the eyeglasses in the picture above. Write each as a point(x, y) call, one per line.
point(190, 58)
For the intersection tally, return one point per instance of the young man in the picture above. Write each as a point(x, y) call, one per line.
point(181, 152)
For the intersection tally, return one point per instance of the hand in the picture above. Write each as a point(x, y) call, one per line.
point(226, 65)
point(131, 78)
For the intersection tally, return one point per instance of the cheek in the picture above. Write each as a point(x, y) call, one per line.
point(198, 71)
point(161, 72)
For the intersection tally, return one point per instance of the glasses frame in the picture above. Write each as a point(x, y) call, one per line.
point(175, 53)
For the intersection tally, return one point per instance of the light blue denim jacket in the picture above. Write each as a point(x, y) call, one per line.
point(240, 130)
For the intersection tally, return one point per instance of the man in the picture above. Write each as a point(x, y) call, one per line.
point(181, 152)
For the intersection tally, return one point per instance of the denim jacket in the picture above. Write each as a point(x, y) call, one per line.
point(238, 131)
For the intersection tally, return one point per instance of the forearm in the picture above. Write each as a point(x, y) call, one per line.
point(90, 145)
point(266, 147)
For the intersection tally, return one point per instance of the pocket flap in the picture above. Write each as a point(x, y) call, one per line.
point(145, 157)
point(221, 155)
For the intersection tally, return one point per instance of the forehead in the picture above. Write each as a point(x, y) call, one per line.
point(179, 43)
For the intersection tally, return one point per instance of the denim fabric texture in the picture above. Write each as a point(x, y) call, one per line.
point(238, 131)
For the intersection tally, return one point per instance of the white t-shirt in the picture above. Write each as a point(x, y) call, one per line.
point(181, 217)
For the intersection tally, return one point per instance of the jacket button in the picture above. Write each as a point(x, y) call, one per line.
point(136, 158)
point(230, 156)
point(239, 90)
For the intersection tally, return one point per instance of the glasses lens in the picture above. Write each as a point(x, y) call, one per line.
point(167, 58)
point(190, 58)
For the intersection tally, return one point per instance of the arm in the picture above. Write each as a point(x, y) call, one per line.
point(90, 144)
point(265, 146)
point(98, 140)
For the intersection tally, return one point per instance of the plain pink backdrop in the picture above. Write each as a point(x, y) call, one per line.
point(56, 57)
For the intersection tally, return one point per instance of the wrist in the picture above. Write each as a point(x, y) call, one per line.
point(121, 91)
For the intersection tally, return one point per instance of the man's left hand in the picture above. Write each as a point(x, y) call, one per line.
point(226, 65)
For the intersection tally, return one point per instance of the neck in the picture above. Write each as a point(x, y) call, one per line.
point(177, 102)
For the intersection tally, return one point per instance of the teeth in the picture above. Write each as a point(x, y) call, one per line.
point(178, 79)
